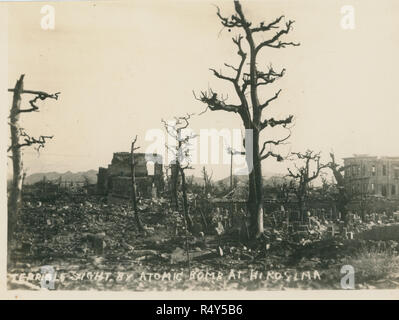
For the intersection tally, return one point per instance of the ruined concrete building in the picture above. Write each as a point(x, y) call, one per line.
point(115, 181)
point(372, 175)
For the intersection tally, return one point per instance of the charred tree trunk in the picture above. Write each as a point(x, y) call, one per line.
point(255, 194)
point(174, 186)
point(343, 197)
point(134, 197)
point(186, 213)
point(302, 201)
point(14, 200)
point(304, 177)
point(15, 192)
point(256, 209)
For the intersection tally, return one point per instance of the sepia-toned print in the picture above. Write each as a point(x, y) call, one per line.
point(202, 146)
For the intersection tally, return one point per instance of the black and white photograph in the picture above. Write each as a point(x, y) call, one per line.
point(227, 147)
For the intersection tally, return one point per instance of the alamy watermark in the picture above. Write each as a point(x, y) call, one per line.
point(47, 21)
point(348, 280)
point(48, 277)
point(348, 17)
point(209, 146)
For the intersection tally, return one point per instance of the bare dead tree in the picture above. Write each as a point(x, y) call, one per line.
point(344, 196)
point(247, 85)
point(303, 175)
point(133, 148)
point(181, 153)
point(18, 134)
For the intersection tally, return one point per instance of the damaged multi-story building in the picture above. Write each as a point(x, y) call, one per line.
point(115, 181)
point(371, 175)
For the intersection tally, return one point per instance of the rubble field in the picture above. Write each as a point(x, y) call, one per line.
point(91, 244)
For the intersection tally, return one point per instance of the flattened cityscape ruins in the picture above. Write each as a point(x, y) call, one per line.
point(301, 217)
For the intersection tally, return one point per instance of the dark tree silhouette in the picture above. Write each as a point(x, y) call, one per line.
point(247, 81)
point(20, 139)
point(181, 153)
point(343, 197)
point(303, 175)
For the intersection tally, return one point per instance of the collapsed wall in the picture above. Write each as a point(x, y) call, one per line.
point(115, 180)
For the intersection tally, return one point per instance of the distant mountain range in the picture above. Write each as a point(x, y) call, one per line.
point(69, 176)
point(269, 178)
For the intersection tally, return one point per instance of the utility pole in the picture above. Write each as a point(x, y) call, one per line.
point(233, 152)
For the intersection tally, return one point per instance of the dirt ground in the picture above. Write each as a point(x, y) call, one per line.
point(95, 245)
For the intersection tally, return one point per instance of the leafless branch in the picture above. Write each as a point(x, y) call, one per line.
point(238, 70)
point(230, 22)
point(275, 41)
point(272, 154)
point(264, 105)
point(221, 76)
point(273, 122)
point(133, 144)
point(274, 142)
point(303, 173)
point(214, 103)
point(39, 95)
point(28, 141)
point(268, 77)
point(263, 27)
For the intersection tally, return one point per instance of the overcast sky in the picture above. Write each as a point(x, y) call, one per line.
point(121, 66)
